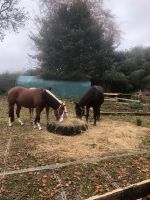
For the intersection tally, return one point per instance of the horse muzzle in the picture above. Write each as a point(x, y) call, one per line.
point(61, 117)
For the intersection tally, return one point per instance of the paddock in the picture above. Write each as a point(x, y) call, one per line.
point(52, 165)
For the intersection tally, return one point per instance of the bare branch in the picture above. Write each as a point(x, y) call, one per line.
point(11, 16)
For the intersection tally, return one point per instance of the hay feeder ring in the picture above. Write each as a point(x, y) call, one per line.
point(68, 127)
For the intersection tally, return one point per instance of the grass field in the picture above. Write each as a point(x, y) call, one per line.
point(120, 148)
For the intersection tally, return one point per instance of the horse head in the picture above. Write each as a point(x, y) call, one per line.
point(79, 110)
point(59, 107)
point(61, 112)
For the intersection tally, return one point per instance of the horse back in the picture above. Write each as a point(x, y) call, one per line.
point(25, 97)
point(94, 96)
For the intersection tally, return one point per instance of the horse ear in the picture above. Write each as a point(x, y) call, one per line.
point(63, 104)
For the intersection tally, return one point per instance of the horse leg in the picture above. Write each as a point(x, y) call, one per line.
point(37, 118)
point(11, 114)
point(31, 114)
point(95, 111)
point(87, 114)
point(98, 114)
point(18, 114)
point(47, 115)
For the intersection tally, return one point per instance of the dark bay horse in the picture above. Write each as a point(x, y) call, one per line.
point(34, 98)
point(94, 97)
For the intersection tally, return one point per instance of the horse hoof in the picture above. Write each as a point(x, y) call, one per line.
point(22, 124)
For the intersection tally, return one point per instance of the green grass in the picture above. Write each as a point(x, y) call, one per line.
point(78, 181)
point(135, 106)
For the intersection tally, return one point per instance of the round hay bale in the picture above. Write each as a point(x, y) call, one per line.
point(70, 126)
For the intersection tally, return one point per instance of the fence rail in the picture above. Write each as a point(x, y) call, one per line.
point(135, 191)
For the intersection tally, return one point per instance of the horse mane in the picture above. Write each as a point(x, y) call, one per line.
point(51, 94)
point(32, 88)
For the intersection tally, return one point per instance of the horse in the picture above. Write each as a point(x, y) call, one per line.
point(37, 98)
point(94, 97)
point(47, 108)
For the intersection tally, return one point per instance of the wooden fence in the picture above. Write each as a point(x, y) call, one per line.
point(144, 97)
point(140, 97)
point(132, 192)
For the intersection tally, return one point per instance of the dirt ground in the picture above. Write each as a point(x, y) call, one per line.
point(23, 147)
point(107, 137)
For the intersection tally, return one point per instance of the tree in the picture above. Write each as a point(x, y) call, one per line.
point(135, 65)
point(72, 44)
point(146, 82)
point(116, 81)
point(136, 78)
point(103, 16)
point(11, 16)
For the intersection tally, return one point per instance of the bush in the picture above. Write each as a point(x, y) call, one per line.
point(135, 105)
point(2, 91)
point(138, 122)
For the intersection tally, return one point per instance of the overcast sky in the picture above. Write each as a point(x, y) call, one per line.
point(132, 16)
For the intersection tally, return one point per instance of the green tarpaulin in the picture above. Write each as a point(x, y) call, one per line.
point(60, 88)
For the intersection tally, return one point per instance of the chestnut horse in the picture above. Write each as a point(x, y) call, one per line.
point(33, 98)
point(47, 108)
point(94, 97)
